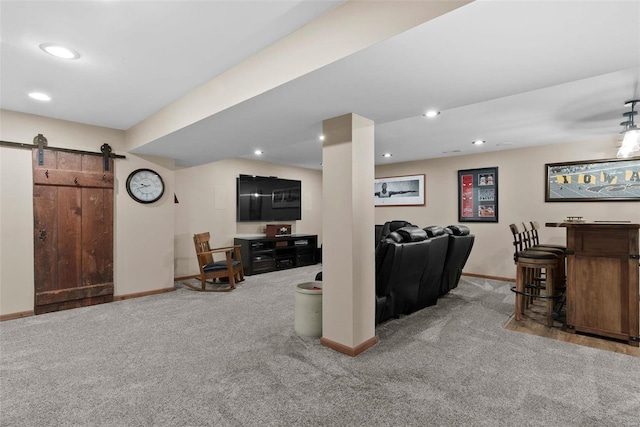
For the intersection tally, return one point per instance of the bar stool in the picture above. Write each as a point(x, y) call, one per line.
point(536, 239)
point(537, 269)
point(533, 260)
point(522, 241)
point(531, 241)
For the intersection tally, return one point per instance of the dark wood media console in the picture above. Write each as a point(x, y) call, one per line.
point(263, 254)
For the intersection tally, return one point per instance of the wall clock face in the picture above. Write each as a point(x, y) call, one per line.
point(145, 186)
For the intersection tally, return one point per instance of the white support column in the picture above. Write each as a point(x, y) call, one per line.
point(348, 270)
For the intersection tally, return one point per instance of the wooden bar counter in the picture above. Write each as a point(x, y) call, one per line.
point(602, 279)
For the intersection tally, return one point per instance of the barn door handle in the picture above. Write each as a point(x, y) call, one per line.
point(46, 173)
point(43, 235)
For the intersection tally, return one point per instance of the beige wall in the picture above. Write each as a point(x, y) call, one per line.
point(207, 202)
point(16, 231)
point(143, 234)
point(159, 236)
point(521, 198)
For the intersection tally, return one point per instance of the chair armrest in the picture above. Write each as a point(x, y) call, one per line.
point(217, 250)
point(228, 248)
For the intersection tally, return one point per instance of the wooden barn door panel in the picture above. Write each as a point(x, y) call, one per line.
point(69, 235)
point(73, 231)
point(45, 213)
point(97, 236)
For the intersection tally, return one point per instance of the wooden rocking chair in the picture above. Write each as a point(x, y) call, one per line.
point(229, 269)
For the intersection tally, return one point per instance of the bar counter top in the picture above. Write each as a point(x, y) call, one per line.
point(595, 224)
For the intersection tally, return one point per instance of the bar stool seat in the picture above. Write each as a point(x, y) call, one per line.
point(534, 260)
point(560, 274)
point(552, 246)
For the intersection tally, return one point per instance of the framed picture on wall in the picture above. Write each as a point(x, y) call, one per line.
point(478, 195)
point(606, 180)
point(399, 191)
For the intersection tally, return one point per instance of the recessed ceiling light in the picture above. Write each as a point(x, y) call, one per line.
point(40, 96)
point(321, 137)
point(258, 152)
point(478, 142)
point(59, 51)
point(387, 155)
point(431, 113)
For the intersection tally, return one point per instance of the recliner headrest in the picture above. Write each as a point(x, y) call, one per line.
point(394, 237)
point(390, 226)
point(458, 230)
point(412, 234)
point(434, 231)
point(395, 224)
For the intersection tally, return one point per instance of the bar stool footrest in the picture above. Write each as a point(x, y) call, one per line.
point(529, 294)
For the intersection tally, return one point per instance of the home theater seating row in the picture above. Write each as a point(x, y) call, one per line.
point(414, 266)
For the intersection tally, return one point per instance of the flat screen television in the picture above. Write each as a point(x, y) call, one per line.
point(262, 198)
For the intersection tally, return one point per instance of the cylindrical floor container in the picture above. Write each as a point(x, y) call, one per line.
point(308, 312)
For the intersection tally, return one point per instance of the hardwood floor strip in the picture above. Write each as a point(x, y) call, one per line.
point(484, 276)
point(533, 322)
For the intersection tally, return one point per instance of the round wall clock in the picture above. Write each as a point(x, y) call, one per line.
point(145, 186)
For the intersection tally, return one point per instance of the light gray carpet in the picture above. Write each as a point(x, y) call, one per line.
point(191, 359)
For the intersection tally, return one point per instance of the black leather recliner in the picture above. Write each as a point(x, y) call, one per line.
point(382, 231)
point(460, 245)
point(432, 278)
point(414, 267)
point(401, 259)
point(378, 233)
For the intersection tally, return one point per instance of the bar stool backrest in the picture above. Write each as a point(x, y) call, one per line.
point(527, 236)
point(518, 241)
point(534, 232)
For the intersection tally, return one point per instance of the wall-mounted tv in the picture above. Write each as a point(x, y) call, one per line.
point(262, 198)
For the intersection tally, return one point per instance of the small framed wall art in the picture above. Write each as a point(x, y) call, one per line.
point(399, 191)
point(478, 195)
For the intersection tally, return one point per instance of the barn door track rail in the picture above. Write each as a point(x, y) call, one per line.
point(40, 142)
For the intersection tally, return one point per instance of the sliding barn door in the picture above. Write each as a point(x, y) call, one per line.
point(73, 230)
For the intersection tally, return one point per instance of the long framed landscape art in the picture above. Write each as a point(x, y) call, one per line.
point(478, 195)
point(593, 181)
point(399, 191)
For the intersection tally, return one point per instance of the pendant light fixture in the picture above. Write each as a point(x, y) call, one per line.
point(631, 141)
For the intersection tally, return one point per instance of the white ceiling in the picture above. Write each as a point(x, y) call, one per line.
point(515, 73)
